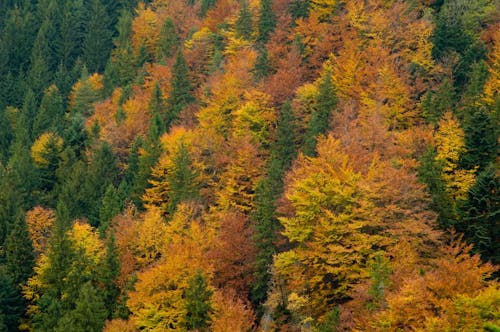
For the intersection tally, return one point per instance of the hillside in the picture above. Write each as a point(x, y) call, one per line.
point(249, 165)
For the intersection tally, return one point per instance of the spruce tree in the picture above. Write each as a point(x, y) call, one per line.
point(11, 303)
point(267, 21)
point(263, 66)
point(205, 6)
point(19, 257)
point(180, 93)
point(244, 25)
point(169, 40)
point(89, 314)
point(111, 205)
point(198, 303)
point(319, 122)
point(50, 116)
point(182, 180)
point(97, 40)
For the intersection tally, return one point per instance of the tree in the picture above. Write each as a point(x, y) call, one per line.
point(205, 6)
point(19, 257)
point(198, 303)
point(244, 26)
point(50, 116)
point(319, 123)
point(267, 21)
point(480, 215)
point(97, 40)
point(168, 42)
point(11, 303)
point(89, 314)
point(180, 93)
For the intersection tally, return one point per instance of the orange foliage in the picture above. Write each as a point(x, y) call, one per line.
point(233, 253)
point(40, 222)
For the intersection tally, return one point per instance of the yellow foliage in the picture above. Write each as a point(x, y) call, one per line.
point(450, 145)
point(40, 148)
point(323, 8)
point(492, 86)
point(86, 240)
point(40, 222)
point(145, 30)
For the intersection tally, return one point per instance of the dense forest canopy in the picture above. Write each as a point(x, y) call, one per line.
point(249, 165)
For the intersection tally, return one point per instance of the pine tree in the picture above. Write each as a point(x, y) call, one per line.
point(198, 303)
point(108, 274)
point(97, 41)
point(205, 6)
point(19, 257)
point(102, 171)
point(169, 40)
point(11, 303)
point(182, 179)
point(244, 25)
point(180, 93)
point(263, 66)
point(319, 122)
point(481, 215)
point(267, 21)
point(111, 205)
point(89, 314)
point(51, 113)
point(6, 136)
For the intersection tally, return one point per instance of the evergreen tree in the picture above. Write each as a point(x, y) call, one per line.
point(11, 303)
point(267, 21)
point(169, 40)
point(108, 275)
point(263, 66)
point(481, 139)
point(299, 8)
point(89, 314)
point(97, 41)
point(157, 105)
point(481, 215)
point(182, 180)
point(244, 25)
point(205, 6)
point(6, 136)
point(198, 304)
point(180, 93)
point(267, 226)
point(111, 205)
point(51, 113)
point(19, 257)
point(319, 122)
point(102, 172)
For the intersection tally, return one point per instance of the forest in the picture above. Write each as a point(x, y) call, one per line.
point(250, 165)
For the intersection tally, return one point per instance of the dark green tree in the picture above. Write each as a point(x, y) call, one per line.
point(50, 116)
point(102, 172)
point(267, 21)
point(108, 274)
point(6, 136)
point(11, 303)
point(97, 41)
point(180, 93)
point(19, 257)
point(244, 25)
point(480, 220)
point(205, 6)
point(182, 180)
point(263, 66)
point(89, 314)
point(320, 118)
point(169, 41)
point(299, 8)
point(112, 203)
point(198, 303)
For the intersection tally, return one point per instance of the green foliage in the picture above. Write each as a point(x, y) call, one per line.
point(11, 303)
point(481, 215)
point(267, 21)
point(97, 40)
point(19, 257)
point(244, 26)
point(198, 303)
point(263, 66)
point(50, 117)
point(205, 6)
point(169, 40)
point(180, 93)
point(320, 118)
